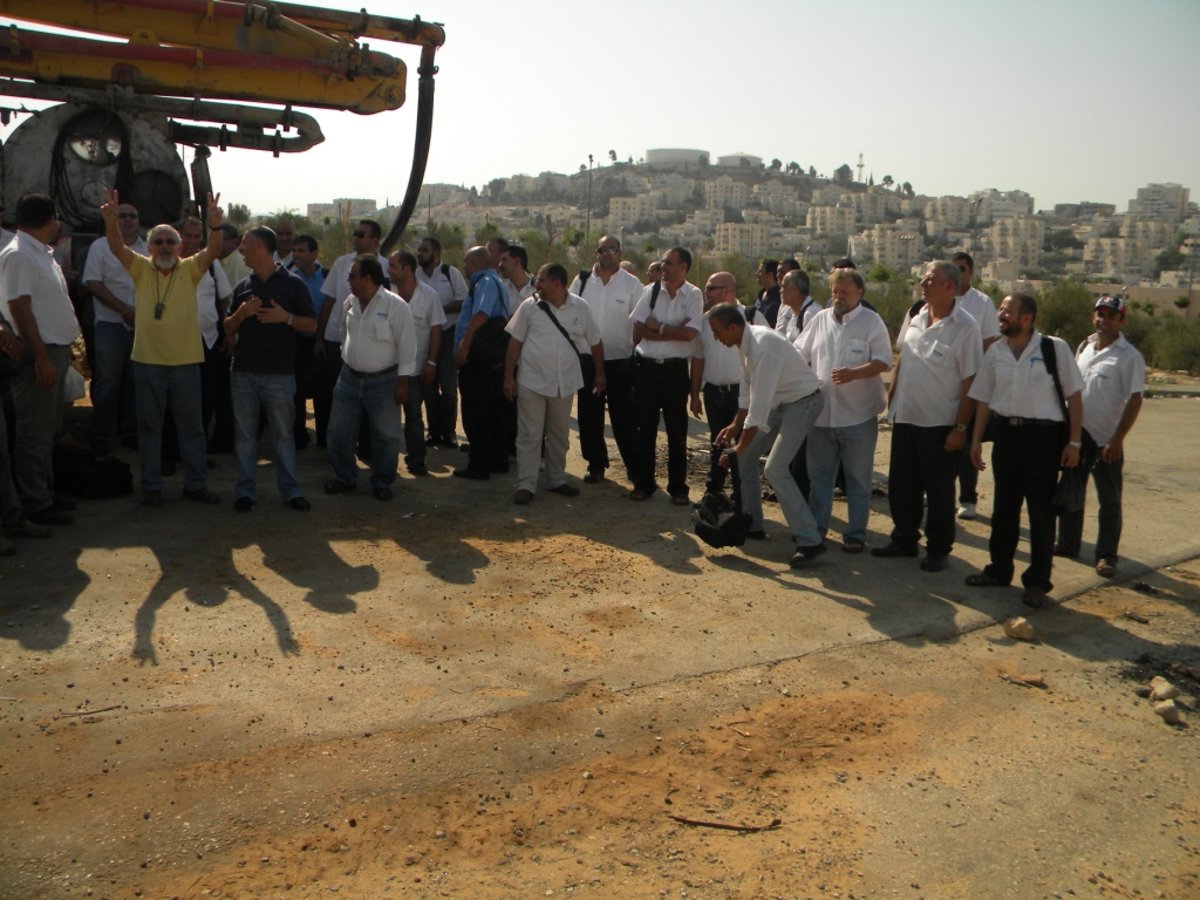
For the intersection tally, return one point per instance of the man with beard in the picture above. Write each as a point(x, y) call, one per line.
point(167, 349)
point(1016, 386)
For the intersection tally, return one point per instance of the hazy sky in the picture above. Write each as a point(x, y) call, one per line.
point(1066, 99)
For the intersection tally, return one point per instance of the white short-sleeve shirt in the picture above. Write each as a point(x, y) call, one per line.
point(337, 286)
point(685, 309)
point(1110, 377)
point(427, 314)
point(28, 269)
point(612, 304)
point(548, 365)
point(828, 344)
point(102, 266)
point(935, 359)
point(1022, 385)
point(379, 335)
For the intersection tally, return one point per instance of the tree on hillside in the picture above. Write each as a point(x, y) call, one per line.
point(612, 156)
point(793, 168)
point(238, 214)
point(776, 165)
point(843, 174)
point(908, 190)
point(887, 181)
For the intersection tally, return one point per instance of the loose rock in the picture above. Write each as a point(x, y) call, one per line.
point(1019, 629)
point(1161, 689)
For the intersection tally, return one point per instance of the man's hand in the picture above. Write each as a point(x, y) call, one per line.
point(10, 344)
point(319, 347)
point(696, 406)
point(250, 307)
point(977, 456)
point(599, 384)
point(510, 387)
point(1070, 457)
point(44, 372)
point(460, 356)
point(216, 215)
point(429, 374)
point(843, 375)
point(1112, 451)
point(127, 315)
point(954, 440)
point(108, 209)
point(726, 437)
point(400, 391)
point(272, 315)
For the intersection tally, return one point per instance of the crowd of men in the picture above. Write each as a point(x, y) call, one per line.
point(200, 347)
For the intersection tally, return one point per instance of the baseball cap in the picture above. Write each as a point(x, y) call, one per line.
point(1109, 301)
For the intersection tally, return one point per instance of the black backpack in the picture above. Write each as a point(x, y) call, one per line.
point(718, 519)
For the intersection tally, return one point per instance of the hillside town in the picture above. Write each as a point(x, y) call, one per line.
point(745, 206)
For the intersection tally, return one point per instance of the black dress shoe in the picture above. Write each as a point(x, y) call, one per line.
point(202, 495)
point(51, 516)
point(299, 504)
point(243, 505)
point(933, 563)
point(804, 555)
point(472, 474)
point(565, 489)
point(333, 486)
point(894, 549)
point(64, 504)
point(382, 493)
point(593, 476)
point(758, 535)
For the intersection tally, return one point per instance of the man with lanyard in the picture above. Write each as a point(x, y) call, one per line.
point(480, 365)
point(550, 331)
point(983, 311)
point(665, 323)
point(780, 397)
point(38, 307)
point(379, 356)
point(269, 307)
point(717, 377)
point(167, 348)
point(940, 352)
point(428, 319)
point(1016, 385)
point(1114, 376)
point(847, 346)
point(441, 400)
point(612, 293)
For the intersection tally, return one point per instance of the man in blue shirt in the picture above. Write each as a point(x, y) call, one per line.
point(303, 263)
point(480, 343)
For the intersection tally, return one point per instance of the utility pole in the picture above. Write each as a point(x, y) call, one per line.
point(587, 228)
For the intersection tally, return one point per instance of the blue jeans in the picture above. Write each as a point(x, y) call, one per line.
point(789, 424)
point(112, 381)
point(156, 387)
point(854, 447)
point(352, 398)
point(272, 395)
point(414, 429)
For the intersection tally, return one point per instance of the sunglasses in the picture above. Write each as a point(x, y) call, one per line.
point(164, 242)
point(363, 234)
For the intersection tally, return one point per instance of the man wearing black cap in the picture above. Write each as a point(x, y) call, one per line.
point(1114, 375)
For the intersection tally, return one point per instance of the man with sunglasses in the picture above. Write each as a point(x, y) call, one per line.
point(327, 346)
point(612, 293)
point(112, 375)
point(167, 347)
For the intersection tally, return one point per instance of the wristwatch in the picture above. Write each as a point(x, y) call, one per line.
point(961, 428)
point(1076, 444)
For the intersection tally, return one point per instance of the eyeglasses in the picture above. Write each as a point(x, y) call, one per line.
point(164, 242)
point(127, 215)
point(363, 234)
point(608, 250)
point(715, 287)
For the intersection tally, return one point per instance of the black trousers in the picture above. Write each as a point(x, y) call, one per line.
point(1025, 469)
point(661, 388)
point(330, 368)
point(921, 481)
point(307, 382)
point(216, 401)
point(720, 408)
point(483, 417)
point(618, 373)
point(968, 475)
point(1109, 478)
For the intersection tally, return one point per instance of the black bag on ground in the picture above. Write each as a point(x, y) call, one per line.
point(718, 520)
point(77, 472)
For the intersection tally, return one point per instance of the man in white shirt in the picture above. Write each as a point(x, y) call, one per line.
point(983, 311)
point(665, 323)
point(428, 320)
point(514, 272)
point(378, 353)
point(780, 398)
point(285, 236)
point(441, 400)
point(797, 306)
point(1016, 386)
point(39, 308)
point(1114, 376)
point(550, 332)
point(716, 377)
point(940, 351)
point(327, 344)
point(113, 413)
point(847, 346)
point(612, 293)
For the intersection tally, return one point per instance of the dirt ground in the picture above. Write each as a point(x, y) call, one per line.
point(449, 695)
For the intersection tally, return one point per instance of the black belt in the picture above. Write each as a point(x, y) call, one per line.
point(722, 388)
point(662, 362)
point(390, 370)
point(1019, 422)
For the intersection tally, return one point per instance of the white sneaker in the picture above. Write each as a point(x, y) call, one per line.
point(966, 511)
